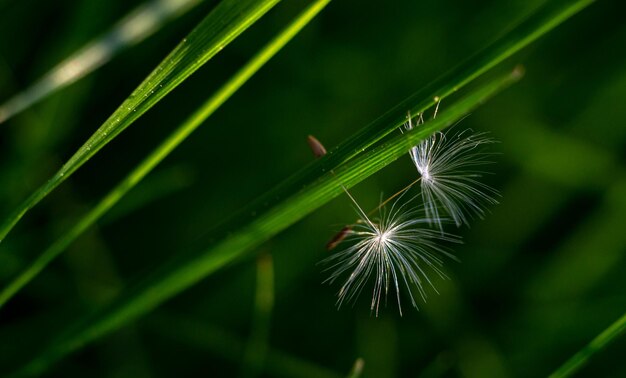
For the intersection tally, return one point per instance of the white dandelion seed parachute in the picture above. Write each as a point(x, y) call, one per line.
point(448, 164)
point(396, 248)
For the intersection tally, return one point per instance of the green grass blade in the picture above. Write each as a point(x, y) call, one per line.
point(579, 359)
point(258, 342)
point(540, 22)
point(357, 368)
point(227, 21)
point(250, 231)
point(138, 25)
point(164, 149)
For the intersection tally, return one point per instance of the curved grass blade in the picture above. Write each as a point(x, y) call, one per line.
point(540, 22)
point(164, 149)
point(174, 277)
point(227, 21)
point(572, 365)
point(138, 25)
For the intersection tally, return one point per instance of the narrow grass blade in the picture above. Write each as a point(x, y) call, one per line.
point(250, 231)
point(227, 21)
point(164, 149)
point(572, 365)
point(530, 29)
point(256, 351)
point(132, 29)
point(540, 22)
point(357, 368)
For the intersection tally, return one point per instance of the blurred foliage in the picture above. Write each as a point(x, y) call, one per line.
point(540, 276)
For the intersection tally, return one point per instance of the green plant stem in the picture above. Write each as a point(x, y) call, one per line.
point(598, 343)
point(164, 149)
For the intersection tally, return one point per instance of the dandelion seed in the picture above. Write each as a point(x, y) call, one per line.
point(447, 164)
point(395, 248)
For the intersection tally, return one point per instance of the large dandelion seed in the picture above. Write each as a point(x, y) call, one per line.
point(448, 164)
point(396, 249)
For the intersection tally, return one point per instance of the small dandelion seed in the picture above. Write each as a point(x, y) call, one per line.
point(448, 166)
point(396, 248)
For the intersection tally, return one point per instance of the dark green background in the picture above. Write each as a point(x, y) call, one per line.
point(539, 277)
